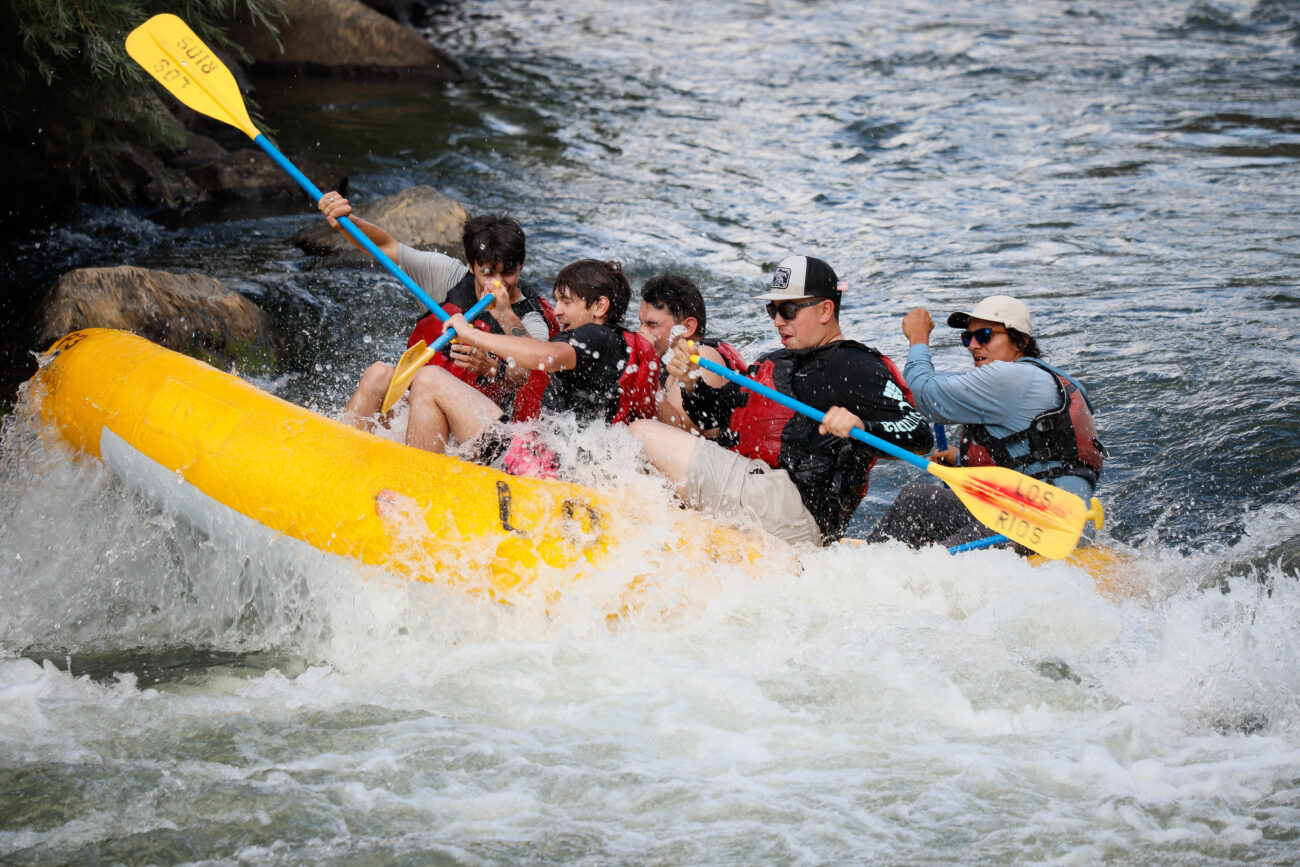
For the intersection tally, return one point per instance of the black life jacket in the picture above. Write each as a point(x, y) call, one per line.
point(758, 426)
point(526, 402)
point(831, 481)
point(1065, 437)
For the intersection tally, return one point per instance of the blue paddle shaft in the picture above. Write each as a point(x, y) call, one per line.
point(940, 437)
point(987, 542)
point(446, 336)
point(370, 246)
point(815, 414)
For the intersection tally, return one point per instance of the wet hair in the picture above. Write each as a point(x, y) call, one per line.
point(1027, 345)
point(592, 279)
point(677, 295)
point(492, 239)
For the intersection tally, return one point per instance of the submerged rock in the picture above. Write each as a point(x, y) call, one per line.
point(199, 150)
point(192, 313)
point(419, 217)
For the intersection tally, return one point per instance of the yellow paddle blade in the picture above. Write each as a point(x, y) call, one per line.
point(1036, 514)
point(169, 51)
point(407, 367)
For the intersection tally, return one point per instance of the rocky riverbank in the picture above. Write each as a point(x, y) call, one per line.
point(319, 38)
point(216, 167)
point(197, 314)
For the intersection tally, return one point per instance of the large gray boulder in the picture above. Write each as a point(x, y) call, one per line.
point(192, 312)
point(419, 217)
point(345, 35)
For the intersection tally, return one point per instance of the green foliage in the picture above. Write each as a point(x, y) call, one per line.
point(80, 118)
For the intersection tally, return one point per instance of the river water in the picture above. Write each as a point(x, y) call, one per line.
point(1129, 169)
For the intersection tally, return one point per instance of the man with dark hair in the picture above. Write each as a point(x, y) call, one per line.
point(672, 309)
point(1015, 409)
point(495, 251)
point(599, 371)
point(793, 478)
point(678, 298)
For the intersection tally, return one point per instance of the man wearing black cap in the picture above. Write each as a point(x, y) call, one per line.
point(782, 471)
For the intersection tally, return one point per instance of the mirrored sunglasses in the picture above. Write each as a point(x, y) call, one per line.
point(790, 309)
point(982, 336)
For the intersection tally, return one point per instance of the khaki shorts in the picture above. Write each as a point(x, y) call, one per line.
point(748, 492)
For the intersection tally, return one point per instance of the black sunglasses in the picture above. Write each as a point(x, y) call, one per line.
point(981, 336)
point(790, 309)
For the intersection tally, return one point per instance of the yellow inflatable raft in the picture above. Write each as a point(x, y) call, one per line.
point(227, 455)
point(218, 449)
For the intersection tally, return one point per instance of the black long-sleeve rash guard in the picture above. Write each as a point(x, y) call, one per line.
point(831, 473)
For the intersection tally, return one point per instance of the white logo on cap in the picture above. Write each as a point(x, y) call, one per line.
point(781, 279)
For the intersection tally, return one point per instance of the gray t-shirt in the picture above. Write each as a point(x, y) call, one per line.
point(433, 272)
point(438, 274)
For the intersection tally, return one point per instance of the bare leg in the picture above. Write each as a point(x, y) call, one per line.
point(367, 400)
point(442, 406)
point(667, 448)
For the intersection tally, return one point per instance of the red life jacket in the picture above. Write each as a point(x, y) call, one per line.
point(522, 404)
point(760, 423)
point(1065, 437)
point(638, 384)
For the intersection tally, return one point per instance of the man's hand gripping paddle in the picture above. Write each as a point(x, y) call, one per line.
point(171, 52)
point(1038, 515)
point(420, 354)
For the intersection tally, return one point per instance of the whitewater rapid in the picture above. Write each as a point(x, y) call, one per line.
point(872, 703)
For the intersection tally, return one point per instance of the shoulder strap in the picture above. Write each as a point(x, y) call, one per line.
point(462, 294)
point(1038, 362)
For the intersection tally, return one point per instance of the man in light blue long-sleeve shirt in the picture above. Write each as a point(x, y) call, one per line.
point(1015, 411)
